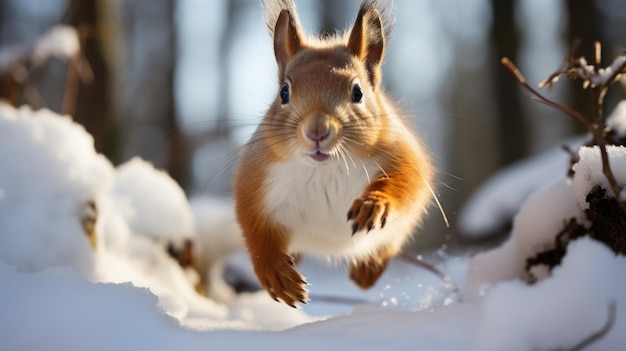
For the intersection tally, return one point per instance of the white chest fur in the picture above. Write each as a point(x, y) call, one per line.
point(312, 202)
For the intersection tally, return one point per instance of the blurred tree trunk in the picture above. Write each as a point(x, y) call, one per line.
point(7, 83)
point(144, 87)
point(179, 151)
point(234, 12)
point(3, 19)
point(92, 100)
point(512, 128)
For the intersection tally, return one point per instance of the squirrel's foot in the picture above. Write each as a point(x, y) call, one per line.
point(366, 272)
point(368, 213)
point(282, 281)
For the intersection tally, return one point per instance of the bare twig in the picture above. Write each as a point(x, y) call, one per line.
point(520, 78)
point(569, 61)
point(580, 69)
point(446, 279)
point(78, 70)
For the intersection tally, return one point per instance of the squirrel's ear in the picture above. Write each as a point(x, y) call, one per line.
point(367, 42)
point(287, 38)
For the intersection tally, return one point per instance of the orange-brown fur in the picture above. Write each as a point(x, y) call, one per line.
point(322, 118)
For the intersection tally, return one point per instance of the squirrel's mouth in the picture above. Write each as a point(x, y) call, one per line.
point(319, 156)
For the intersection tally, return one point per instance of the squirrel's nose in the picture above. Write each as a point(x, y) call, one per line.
point(318, 135)
point(318, 128)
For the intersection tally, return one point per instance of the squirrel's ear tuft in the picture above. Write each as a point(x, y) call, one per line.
point(371, 30)
point(272, 9)
point(287, 38)
point(284, 26)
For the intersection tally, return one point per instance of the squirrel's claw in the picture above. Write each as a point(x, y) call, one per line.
point(368, 214)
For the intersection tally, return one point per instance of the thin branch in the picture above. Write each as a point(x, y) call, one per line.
point(598, 133)
point(428, 267)
point(537, 96)
point(598, 56)
point(593, 127)
point(606, 170)
point(602, 332)
point(567, 62)
point(78, 70)
point(600, 140)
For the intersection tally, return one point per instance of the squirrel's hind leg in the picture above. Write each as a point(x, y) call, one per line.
point(366, 271)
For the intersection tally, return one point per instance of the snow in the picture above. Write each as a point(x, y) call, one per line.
point(50, 173)
point(218, 238)
point(61, 291)
point(586, 174)
point(603, 76)
point(152, 203)
point(551, 315)
point(60, 41)
point(497, 200)
point(539, 220)
point(617, 119)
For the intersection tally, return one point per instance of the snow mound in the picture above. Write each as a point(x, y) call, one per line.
point(51, 174)
point(56, 309)
point(55, 184)
point(569, 303)
point(534, 228)
point(560, 312)
point(218, 238)
point(499, 198)
point(152, 203)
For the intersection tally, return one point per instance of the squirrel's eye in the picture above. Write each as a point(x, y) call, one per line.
point(357, 94)
point(284, 94)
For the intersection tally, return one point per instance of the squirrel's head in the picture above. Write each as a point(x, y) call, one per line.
point(329, 103)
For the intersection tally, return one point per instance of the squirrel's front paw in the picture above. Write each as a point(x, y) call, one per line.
point(368, 213)
point(282, 281)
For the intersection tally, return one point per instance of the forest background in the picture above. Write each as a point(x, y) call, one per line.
point(182, 83)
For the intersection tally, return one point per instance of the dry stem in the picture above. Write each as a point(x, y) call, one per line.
point(608, 325)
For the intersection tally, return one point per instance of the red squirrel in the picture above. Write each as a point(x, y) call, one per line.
point(332, 170)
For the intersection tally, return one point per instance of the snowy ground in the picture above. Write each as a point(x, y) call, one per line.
point(118, 289)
